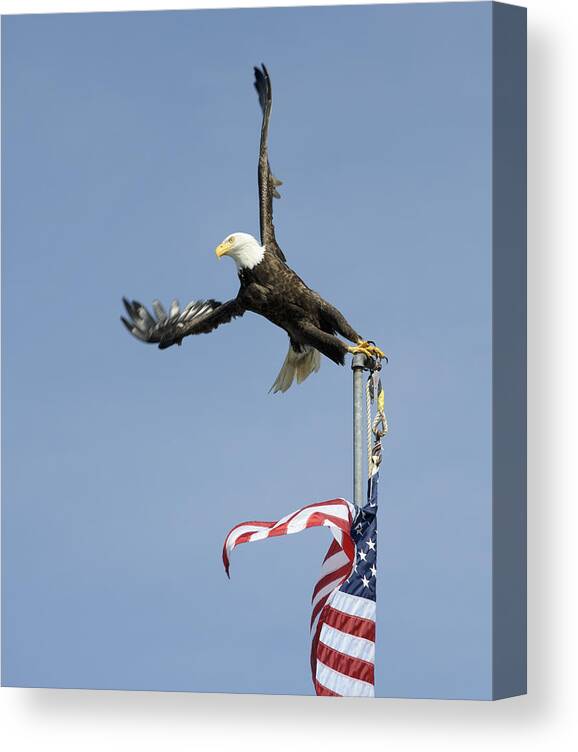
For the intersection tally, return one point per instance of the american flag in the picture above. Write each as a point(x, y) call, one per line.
point(343, 629)
point(343, 602)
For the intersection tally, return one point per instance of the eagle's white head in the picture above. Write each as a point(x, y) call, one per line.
point(243, 248)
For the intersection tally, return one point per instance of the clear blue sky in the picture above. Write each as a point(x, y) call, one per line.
point(129, 152)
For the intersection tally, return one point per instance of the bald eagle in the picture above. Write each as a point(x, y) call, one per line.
point(268, 286)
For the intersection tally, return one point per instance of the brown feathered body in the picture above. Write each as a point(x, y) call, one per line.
point(273, 290)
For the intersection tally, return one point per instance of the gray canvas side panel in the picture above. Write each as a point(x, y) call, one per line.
point(509, 351)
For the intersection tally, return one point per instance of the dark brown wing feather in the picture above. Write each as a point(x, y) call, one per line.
point(268, 184)
point(166, 329)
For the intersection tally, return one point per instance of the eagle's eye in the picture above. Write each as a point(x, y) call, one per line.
point(231, 239)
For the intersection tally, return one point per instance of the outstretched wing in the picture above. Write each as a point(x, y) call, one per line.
point(268, 184)
point(166, 329)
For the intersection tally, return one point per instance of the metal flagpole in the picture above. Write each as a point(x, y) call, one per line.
point(358, 365)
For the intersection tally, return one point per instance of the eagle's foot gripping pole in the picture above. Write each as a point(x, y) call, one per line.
point(369, 349)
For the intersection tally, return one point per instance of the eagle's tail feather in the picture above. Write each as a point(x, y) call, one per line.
point(296, 366)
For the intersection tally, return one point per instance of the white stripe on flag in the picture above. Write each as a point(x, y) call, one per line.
point(334, 563)
point(241, 530)
point(341, 511)
point(341, 684)
point(355, 647)
point(326, 590)
point(353, 605)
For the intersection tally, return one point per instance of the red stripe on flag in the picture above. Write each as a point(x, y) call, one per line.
point(345, 664)
point(334, 548)
point(343, 571)
point(323, 691)
point(354, 625)
point(316, 519)
point(319, 607)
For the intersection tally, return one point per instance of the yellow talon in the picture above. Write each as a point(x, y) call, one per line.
point(376, 351)
point(367, 349)
point(354, 350)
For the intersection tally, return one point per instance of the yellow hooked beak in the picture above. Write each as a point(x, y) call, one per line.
point(222, 249)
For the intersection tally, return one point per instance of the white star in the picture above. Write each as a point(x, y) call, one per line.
point(373, 570)
point(371, 544)
point(365, 582)
point(362, 554)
